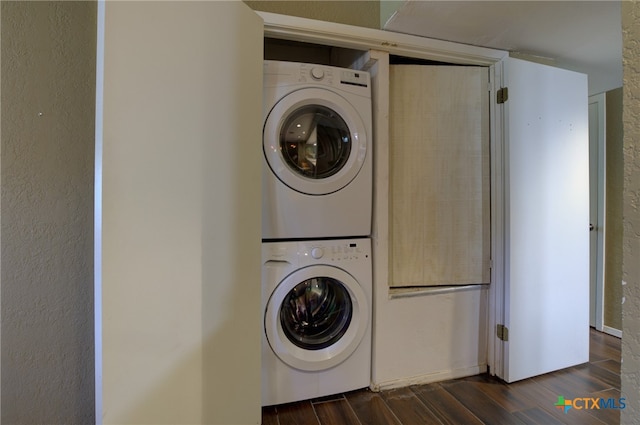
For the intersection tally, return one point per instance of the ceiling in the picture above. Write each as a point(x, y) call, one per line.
point(583, 36)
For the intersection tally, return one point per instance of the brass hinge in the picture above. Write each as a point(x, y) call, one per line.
point(502, 95)
point(502, 332)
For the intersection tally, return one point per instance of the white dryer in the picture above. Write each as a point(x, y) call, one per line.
point(316, 299)
point(317, 174)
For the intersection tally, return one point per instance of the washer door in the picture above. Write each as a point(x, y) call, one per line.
point(314, 141)
point(316, 318)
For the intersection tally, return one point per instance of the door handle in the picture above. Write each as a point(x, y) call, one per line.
point(591, 227)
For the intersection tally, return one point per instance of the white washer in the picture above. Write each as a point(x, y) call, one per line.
point(316, 299)
point(317, 173)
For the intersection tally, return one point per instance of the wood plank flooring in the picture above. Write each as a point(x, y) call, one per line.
point(475, 400)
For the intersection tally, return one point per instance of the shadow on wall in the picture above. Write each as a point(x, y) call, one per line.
point(364, 13)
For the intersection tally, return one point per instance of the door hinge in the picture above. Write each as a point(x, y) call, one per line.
point(502, 95)
point(502, 332)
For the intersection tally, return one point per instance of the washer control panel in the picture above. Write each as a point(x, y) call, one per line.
point(329, 251)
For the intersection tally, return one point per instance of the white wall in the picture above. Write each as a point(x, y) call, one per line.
point(180, 244)
point(429, 338)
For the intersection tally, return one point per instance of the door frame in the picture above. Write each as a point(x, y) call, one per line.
point(598, 195)
point(380, 44)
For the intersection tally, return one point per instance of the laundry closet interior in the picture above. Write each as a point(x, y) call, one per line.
point(431, 228)
point(461, 171)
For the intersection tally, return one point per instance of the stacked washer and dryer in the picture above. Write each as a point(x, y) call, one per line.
point(316, 222)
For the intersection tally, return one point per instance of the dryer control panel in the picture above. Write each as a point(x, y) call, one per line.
point(331, 75)
point(278, 73)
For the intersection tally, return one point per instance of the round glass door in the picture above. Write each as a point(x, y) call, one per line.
point(316, 317)
point(316, 313)
point(314, 141)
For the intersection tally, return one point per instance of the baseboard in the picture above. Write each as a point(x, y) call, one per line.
point(429, 378)
point(612, 331)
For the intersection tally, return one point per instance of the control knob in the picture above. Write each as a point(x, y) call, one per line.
point(317, 253)
point(317, 73)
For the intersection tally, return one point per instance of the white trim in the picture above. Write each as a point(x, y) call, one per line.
point(601, 101)
point(97, 243)
point(499, 184)
point(0, 305)
point(380, 220)
point(612, 331)
point(430, 378)
point(341, 35)
point(422, 291)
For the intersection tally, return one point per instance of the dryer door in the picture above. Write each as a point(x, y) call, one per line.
point(316, 317)
point(314, 141)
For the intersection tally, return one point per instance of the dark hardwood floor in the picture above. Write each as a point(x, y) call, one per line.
point(478, 399)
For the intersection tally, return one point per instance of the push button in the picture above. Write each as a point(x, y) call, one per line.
point(317, 73)
point(317, 253)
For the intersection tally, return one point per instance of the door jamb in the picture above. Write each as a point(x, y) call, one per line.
point(600, 100)
point(499, 185)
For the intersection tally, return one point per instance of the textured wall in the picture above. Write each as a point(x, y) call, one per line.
point(46, 234)
point(631, 213)
point(613, 214)
point(362, 13)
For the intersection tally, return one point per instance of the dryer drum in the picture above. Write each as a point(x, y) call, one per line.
point(316, 313)
point(315, 142)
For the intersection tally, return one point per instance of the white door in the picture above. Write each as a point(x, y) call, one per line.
point(178, 131)
point(547, 220)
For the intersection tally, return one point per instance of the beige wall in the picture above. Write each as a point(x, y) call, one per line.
point(363, 13)
point(613, 212)
point(48, 98)
point(631, 213)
